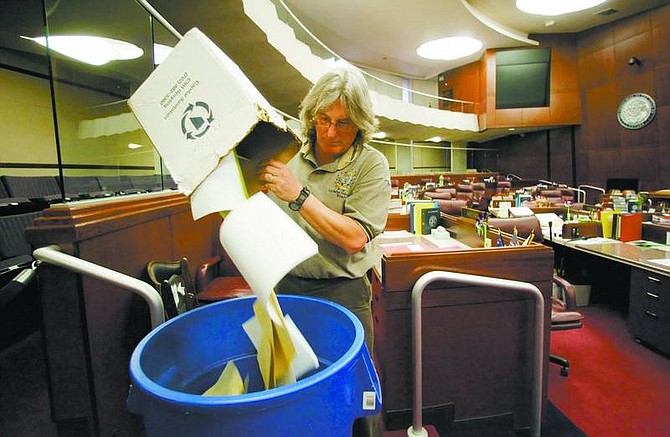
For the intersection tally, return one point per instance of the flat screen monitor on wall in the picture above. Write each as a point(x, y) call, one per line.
point(523, 78)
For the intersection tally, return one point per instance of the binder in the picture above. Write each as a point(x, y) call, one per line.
point(629, 227)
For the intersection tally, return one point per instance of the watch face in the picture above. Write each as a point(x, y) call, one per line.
point(636, 111)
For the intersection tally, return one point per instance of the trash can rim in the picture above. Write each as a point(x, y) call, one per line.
point(181, 398)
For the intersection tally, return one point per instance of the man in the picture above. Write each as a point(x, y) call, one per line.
point(337, 188)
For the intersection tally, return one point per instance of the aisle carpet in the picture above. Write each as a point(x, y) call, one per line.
point(616, 386)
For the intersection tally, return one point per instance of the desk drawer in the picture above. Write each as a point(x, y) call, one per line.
point(649, 310)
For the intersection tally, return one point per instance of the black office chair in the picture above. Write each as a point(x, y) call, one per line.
point(174, 282)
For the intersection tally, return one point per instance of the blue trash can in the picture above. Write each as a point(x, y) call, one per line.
point(180, 359)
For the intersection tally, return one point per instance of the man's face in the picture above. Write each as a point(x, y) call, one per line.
point(334, 133)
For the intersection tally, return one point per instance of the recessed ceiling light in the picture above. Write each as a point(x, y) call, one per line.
point(448, 49)
point(94, 50)
point(134, 146)
point(553, 7)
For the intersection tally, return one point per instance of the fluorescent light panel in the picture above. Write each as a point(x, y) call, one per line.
point(553, 7)
point(94, 50)
point(448, 49)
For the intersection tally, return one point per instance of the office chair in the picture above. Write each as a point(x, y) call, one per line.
point(174, 282)
point(217, 278)
point(564, 316)
point(563, 304)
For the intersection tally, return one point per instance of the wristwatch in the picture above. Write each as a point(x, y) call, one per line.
point(297, 203)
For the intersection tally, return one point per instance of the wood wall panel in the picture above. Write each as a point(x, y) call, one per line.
point(604, 149)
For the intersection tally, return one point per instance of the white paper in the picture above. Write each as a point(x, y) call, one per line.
point(264, 243)
point(305, 359)
point(222, 190)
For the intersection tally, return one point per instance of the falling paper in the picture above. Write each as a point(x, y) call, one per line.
point(264, 243)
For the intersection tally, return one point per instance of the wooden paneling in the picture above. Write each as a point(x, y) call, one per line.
point(604, 149)
point(476, 341)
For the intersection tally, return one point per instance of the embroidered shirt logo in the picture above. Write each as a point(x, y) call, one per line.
point(344, 182)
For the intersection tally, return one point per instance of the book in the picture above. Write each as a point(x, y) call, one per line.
point(430, 219)
point(415, 225)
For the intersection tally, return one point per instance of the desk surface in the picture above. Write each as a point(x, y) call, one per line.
point(642, 254)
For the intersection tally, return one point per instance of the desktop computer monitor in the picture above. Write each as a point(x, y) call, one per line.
point(621, 184)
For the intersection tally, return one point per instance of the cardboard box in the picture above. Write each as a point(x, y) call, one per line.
point(197, 106)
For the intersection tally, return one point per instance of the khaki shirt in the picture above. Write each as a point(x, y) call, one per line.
point(358, 185)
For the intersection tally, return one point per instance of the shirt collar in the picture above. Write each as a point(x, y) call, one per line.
point(341, 162)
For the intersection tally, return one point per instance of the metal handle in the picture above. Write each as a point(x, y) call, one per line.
point(651, 314)
point(483, 281)
point(53, 255)
point(653, 296)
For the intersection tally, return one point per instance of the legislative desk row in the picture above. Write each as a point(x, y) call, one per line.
point(478, 342)
point(632, 277)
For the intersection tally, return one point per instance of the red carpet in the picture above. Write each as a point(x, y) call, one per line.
point(616, 386)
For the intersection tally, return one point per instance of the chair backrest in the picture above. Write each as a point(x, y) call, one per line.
point(116, 184)
point(12, 237)
point(81, 184)
point(438, 195)
point(524, 226)
point(451, 206)
point(146, 182)
point(174, 282)
point(32, 187)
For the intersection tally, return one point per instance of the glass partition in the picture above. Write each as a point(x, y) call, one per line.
point(66, 119)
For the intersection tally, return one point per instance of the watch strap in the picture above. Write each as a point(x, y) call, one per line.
point(297, 203)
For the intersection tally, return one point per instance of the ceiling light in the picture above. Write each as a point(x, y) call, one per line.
point(379, 135)
point(554, 7)
point(434, 139)
point(94, 50)
point(134, 146)
point(448, 49)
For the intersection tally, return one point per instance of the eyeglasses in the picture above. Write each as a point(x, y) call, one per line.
point(345, 125)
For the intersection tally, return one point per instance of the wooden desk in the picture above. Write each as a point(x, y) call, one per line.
point(632, 277)
point(477, 343)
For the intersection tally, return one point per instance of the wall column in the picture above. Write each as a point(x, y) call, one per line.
point(459, 156)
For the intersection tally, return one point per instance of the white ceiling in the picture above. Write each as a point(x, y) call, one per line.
point(384, 34)
point(376, 34)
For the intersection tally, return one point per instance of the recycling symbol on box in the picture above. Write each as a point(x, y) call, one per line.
point(196, 120)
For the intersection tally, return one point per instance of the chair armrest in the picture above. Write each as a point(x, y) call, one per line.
point(206, 272)
point(569, 299)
